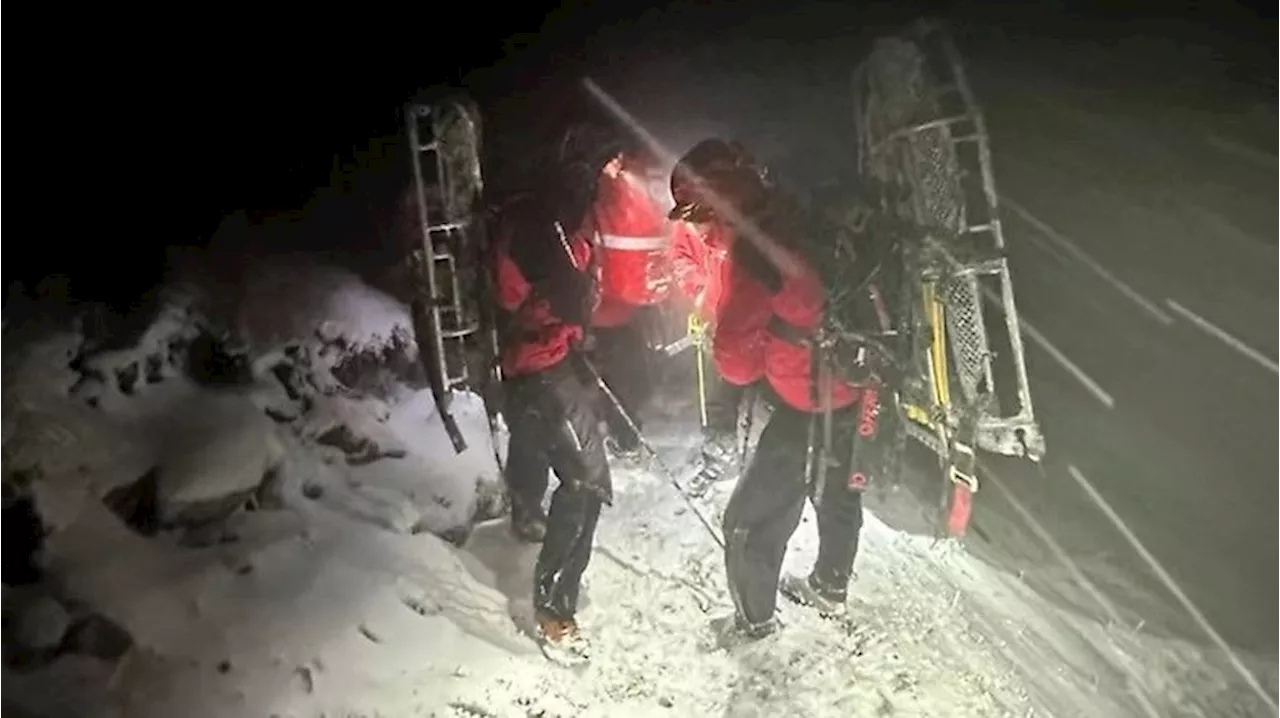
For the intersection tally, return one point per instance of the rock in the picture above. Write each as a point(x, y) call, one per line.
point(378, 369)
point(137, 504)
point(155, 369)
point(457, 535)
point(270, 494)
point(201, 514)
point(88, 389)
point(359, 450)
point(98, 636)
point(280, 416)
point(127, 377)
point(341, 437)
point(216, 459)
point(290, 378)
point(67, 440)
point(37, 623)
point(375, 453)
point(211, 362)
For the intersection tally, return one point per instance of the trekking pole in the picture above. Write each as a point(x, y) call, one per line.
point(748, 409)
point(695, 329)
point(671, 476)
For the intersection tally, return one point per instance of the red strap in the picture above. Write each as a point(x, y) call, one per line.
point(960, 511)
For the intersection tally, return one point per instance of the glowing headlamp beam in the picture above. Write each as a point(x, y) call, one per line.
point(782, 260)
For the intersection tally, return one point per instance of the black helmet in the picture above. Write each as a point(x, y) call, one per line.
point(715, 167)
point(586, 147)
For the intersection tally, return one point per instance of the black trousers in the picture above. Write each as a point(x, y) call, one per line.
point(553, 425)
point(768, 501)
point(621, 357)
point(724, 400)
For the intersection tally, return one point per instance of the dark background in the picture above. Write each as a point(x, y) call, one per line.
point(133, 133)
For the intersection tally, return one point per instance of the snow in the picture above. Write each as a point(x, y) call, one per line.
point(333, 593)
point(214, 446)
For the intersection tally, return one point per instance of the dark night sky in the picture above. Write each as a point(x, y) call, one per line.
point(255, 117)
point(273, 117)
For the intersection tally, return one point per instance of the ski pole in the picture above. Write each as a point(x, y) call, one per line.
point(671, 476)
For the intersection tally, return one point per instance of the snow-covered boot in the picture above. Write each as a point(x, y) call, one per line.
point(720, 448)
point(528, 526)
point(807, 591)
point(562, 641)
point(716, 461)
point(730, 632)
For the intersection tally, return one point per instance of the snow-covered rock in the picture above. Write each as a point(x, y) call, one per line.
point(34, 621)
point(281, 300)
point(216, 452)
point(286, 344)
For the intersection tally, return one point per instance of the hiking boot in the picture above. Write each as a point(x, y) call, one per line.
point(806, 591)
point(730, 632)
point(720, 448)
point(716, 461)
point(619, 451)
point(530, 527)
point(561, 640)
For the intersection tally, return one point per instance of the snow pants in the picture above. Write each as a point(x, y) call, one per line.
point(553, 425)
point(768, 501)
point(724, 400)
point(621, 358)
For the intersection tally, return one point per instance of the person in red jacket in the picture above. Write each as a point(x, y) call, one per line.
point(632, 254)
point(824, 436)
point(700, 249)
point(545, 285)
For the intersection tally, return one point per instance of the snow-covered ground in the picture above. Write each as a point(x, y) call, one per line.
point(273, 546)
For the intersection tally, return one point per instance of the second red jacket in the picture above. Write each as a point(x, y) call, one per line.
point(762, 332)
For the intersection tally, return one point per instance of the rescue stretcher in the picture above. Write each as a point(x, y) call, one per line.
point(919, 127)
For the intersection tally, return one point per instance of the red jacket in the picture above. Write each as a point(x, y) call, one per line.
point(698, 262)
point(747, 344)
point(535, 336)
point(741, 316)
point(789, 365)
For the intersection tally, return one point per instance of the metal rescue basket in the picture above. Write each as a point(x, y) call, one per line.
point(919, 127)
